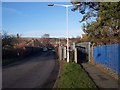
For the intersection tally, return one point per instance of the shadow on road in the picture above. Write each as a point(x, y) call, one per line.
point(39, 71)
point(30, 58)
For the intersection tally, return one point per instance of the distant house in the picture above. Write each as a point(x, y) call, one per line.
point(46, 36)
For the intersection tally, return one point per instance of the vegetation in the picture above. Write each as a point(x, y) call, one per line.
point(15, 48)
point(9, 40)
point(101, 21)
point(73, 76)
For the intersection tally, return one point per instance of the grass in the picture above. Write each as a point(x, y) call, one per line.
point(73, 76)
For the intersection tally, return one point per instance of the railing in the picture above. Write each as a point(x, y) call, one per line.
point(78, 53)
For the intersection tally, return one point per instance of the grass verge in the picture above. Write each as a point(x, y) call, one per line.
point(73, 76)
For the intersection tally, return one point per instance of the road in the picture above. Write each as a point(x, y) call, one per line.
point(39, 71)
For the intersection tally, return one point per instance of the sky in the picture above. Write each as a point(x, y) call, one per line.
point(33, 19)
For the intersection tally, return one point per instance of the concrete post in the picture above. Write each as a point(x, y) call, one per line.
point(73, 46)
point(60, 53)
point(65, 54)
point(75, 55)
point(89, 51)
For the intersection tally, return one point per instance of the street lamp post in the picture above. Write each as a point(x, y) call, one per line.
point(66, 6)
point(67, 34)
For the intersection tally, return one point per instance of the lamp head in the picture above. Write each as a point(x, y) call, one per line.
point(50, 4)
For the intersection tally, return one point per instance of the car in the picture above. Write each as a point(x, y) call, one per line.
point(45, 49)
point(53, 50)
point(50, 48)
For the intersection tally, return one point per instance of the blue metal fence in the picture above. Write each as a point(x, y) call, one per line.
point(108, 56)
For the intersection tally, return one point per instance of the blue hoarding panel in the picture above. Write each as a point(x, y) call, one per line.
point(109, 56)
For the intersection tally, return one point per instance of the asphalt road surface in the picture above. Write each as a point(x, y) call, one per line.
point(39, 71)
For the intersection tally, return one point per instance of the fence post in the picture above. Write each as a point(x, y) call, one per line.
point(75, 55)
point(92, 52)
point(64, 53)
point(89, 51)
point(60, 53)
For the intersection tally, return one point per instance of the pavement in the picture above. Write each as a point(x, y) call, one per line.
point(101, 79)
point(37, 72)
